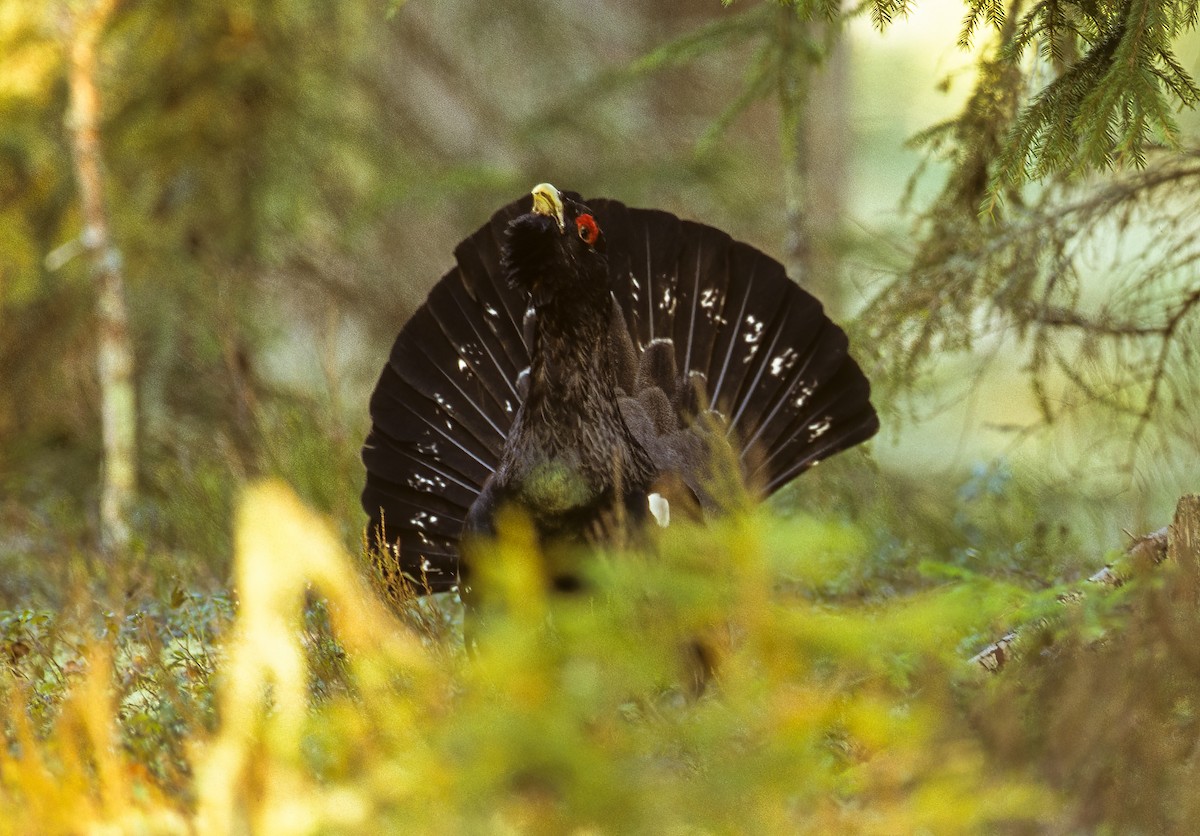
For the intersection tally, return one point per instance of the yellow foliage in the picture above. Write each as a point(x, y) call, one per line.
point(76, 779)
point(30, 58)
point(571, 713)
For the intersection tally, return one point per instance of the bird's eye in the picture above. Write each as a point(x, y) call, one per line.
point(588, 230)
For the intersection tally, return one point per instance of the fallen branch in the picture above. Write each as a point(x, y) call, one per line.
point(1178, 543)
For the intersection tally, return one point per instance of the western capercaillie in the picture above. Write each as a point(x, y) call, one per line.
point(580, 355)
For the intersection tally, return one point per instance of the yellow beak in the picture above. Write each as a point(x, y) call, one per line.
point(546, 201)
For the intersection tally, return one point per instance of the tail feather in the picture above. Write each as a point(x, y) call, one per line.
point(731, 352)
point(834, 420)
point(481, 344)
point(769, 412)
point(503, 307)
point(704, 307)
point(761, 327)
point(413, 409)
point(420, 466)
point(464, 396)
point(643, 250)
point(705, 254)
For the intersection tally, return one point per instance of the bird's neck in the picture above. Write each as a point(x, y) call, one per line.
point(570, 423)
point(571, 373)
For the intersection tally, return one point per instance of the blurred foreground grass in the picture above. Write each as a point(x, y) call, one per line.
point(311, 707)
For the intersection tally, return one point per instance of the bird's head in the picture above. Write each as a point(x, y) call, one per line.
point(556, 250)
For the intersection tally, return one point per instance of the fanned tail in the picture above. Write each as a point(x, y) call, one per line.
point(768, 359)
point(693, 309)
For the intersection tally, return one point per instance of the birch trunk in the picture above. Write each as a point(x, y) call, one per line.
point(118, 411)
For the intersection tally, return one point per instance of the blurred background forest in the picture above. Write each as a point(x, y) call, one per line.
point(285, 180)
point(1002, 211)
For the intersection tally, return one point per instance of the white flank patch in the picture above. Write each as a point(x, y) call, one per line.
point(660, 508)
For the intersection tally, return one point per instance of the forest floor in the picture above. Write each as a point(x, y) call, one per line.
point(768, 674)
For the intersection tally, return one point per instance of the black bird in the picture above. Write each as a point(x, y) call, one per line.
point(582, 355)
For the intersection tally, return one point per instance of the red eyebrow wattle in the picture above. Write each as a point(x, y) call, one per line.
point(589, 231)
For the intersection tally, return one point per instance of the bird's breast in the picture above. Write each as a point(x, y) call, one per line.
point(555, 486)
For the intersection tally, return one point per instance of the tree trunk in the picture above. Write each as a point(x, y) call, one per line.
point(118, 411)
point(813, 96)
point(1183, 543)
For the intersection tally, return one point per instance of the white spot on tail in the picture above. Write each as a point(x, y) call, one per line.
point(819, 428)
point(756, 330)
point(783, 362)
